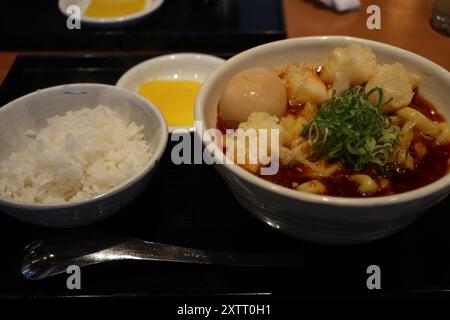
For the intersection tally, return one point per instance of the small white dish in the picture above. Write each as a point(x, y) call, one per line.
point(180, 66)
point(150, 6)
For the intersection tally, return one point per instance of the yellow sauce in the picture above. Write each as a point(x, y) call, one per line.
point(113, 8)
point(175, 99)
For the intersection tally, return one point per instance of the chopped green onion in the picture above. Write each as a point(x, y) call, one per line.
point(352, 130)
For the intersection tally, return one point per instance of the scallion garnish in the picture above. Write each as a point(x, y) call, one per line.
point(351, 130)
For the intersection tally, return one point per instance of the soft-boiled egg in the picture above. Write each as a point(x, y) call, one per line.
point(113, 8)
point(175, 99)
point(253, 90)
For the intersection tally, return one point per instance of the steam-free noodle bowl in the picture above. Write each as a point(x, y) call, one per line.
point(352, 127)
point(317, 216)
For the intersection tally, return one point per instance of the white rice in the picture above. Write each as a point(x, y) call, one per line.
point(77, 156)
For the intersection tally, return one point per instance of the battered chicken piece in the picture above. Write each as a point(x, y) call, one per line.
point(396, 83)
point(292, 126)
point(304, 85)
point(243, 151)
point(348, 67)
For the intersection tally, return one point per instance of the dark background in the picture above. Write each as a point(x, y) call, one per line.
point(176, 25)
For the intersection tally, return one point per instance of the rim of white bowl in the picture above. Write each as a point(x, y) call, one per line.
point(212, 59)
point(434, 187)
point(151, 6)
point(152, 162)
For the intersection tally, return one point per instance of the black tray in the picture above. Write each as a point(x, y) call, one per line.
point(176, 25)
point(190, 205)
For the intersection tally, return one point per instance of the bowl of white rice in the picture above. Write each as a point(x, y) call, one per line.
point(74, 154)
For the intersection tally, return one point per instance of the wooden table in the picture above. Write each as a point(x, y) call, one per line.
point(404, 23)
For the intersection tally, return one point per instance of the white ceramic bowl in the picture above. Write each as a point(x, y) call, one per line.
point(319, 218)
point(179, 66)
point(31, 112)
point(151, 6)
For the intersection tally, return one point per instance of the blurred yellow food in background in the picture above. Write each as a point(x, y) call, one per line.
point(113, 8)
